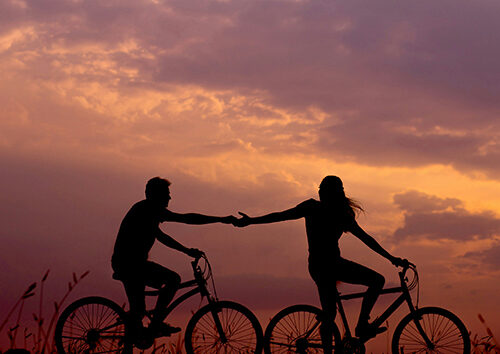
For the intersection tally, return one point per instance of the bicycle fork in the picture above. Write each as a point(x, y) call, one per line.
point(218, 325)
point(416, 320)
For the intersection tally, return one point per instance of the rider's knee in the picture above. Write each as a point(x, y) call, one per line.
point(380, 281)
point(175, 281)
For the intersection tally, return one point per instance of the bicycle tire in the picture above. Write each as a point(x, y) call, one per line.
point(286, 332)
point(241, 328)
point(445, 330)
point(92, 325)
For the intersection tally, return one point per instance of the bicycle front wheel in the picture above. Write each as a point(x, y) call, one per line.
point(91, 325)
point(296, 329)
point(444, 332)
point(223, 327)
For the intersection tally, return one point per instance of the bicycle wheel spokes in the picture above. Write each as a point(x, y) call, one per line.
point(241, 331)
point(296, 329)
point(444, 331)
point(297, 326)
point(91, 325)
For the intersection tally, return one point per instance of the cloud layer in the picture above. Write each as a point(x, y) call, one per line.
point(378, 84)
point(427, 216)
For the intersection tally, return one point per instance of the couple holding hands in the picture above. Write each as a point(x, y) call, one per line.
point(326, 220)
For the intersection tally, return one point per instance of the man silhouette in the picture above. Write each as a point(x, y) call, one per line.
point(136, 236)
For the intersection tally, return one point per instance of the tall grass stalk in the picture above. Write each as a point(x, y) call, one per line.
point(28, 293)
point(486, 344)
point(42, 339)
point(57, 307)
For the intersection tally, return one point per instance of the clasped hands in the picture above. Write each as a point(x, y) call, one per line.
point(243, 221)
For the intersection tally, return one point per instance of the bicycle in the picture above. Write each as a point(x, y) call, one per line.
point(295, 329)
point(98, 325)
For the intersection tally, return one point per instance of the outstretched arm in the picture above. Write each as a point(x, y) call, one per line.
point(199, 219)
point(289, 214)
point(368, 240)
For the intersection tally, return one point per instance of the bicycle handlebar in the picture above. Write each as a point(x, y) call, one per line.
point(410, 283)
point(196, 260)
point(407, 265)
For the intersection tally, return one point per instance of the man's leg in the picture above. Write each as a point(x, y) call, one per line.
point(167, 281)
point(354, 273)
point(134, 288)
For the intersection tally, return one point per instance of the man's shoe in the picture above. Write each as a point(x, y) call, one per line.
point(367, 331)
point(163, 330)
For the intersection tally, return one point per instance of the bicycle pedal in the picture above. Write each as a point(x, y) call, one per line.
point(144, 342)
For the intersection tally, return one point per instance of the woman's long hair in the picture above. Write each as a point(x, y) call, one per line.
point(331, 191)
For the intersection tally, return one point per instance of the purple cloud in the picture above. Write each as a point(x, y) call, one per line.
point(431, 217)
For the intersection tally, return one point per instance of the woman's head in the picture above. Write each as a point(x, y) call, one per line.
point(331, 191)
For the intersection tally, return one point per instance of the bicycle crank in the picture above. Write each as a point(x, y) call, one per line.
point(352, 346)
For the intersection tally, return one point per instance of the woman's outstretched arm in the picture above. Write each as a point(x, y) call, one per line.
point(289, 214)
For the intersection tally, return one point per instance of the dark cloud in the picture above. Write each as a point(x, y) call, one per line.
point(418, 202)
point(431, 217)
point(389, 143)
point(489, 257)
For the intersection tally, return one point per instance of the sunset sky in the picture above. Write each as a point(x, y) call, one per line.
point(247, 105)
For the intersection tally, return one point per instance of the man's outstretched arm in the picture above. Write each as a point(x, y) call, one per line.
point(199, 219)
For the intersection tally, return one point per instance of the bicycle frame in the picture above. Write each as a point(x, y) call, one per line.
point(404, 297)
point(198, 283)
point(200, 287)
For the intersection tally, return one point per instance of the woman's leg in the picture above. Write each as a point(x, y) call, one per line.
point(327, 290)
point(354, 273)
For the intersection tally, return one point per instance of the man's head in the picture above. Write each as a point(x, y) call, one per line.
point(158, 190)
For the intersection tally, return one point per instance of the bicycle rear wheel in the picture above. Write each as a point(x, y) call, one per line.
point(295, 329)
point(91, 325)
point(223, 327)
point(445, 331)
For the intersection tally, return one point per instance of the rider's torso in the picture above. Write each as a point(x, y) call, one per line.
point(138, 232)
point(324, 227)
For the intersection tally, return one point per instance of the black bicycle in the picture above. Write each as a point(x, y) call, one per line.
point(296, 329)
point(99, 325)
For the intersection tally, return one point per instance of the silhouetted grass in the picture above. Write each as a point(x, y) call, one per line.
point(41, 339)
point(174, 347)
point(485, 344)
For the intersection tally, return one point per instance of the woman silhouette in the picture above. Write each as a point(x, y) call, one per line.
point(326, 220)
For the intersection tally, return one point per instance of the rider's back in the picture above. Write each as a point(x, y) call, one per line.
point(137, 233)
